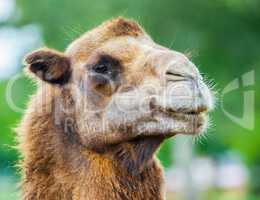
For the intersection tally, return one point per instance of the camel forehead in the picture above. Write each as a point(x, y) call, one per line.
point(87, 43)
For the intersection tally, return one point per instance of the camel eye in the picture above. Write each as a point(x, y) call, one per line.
point(105, 74)
point(102, 69)
point(108, 66)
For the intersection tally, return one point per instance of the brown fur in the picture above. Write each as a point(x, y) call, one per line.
point(92, 129)
point(55, 163)
point(56, 166)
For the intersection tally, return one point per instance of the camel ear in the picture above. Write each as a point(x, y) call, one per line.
point(49, 65)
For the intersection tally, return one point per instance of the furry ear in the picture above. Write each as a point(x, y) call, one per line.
point(49, 65)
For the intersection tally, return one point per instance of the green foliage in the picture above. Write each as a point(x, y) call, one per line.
point(20, 93)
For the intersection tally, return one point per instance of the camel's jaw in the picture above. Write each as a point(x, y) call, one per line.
point(137, 154)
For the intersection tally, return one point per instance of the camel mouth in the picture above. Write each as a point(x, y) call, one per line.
point(197, 120)
point(185, 115)
point(168, 123)
point(182, 112)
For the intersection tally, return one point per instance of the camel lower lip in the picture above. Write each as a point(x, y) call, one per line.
point(170, 124)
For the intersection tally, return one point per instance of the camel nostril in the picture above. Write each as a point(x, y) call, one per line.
point(172, 76)
point(169, 72)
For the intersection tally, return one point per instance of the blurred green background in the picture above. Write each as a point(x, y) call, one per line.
point(222, 36)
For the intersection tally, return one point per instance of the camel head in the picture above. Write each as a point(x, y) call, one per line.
point(127, 91)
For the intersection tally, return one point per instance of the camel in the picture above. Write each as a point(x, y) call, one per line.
point(102, 109)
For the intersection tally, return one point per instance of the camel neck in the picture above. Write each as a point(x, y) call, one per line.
point(56, 166)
